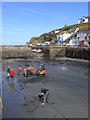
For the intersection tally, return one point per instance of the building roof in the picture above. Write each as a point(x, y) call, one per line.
point(85, 17)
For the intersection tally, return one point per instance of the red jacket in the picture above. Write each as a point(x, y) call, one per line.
point(12, 72)
point(19, 68)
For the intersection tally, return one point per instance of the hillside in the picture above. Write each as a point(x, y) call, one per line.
point(51, 36)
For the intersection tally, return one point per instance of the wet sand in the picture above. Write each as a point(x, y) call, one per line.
point(67, 82)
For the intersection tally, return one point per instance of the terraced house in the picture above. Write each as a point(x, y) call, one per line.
point(82, 35)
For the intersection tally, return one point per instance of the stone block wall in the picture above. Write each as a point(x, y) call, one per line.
point(16, 52)
point(78, 52)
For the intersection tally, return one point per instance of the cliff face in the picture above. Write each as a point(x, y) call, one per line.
point(35, 40)
point(52, 35)
point(43, 38)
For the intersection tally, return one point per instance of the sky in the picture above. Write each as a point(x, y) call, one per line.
point(24, 20)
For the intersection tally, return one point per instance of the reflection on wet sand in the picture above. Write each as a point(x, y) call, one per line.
point(10, 84)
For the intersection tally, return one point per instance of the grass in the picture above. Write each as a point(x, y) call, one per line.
point(83, 25)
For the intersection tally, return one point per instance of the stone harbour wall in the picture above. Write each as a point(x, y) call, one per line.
point(71, 52)
point(16, 52)
point(50, 52)
point(56, 52)
point(78, 52)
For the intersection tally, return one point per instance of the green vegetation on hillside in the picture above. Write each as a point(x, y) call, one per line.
point(51, 37)
point(81, 26)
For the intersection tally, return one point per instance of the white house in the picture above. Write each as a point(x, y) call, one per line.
point(83, 20)
point(67, 34)
point(77, 38)
point(63, 36)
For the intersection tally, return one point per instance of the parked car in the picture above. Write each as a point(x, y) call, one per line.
point(34, 50)
point(46, 43)
point(38, 44)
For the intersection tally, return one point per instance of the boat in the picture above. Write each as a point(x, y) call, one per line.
point(37, 51)
point(34, 50)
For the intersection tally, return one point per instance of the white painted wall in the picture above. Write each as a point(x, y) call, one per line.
point(81, 21)
point(72, 42)
point(86, 20)
point(76, 30)
point(65, 36)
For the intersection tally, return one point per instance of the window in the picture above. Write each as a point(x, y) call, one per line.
point(75, 36)
point(85, 38)
point(89, 38)
point(83, 20)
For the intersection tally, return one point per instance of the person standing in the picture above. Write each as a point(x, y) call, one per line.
point(25, 72)
point(19, 69)
point(8, 71)
point(12, 73)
